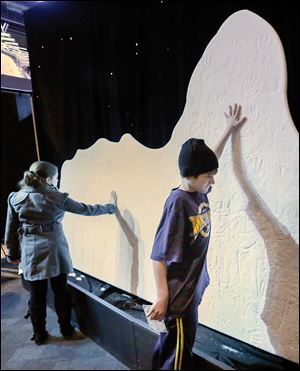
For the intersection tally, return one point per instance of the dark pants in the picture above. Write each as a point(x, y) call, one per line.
point(38, 302)
point(173, 349)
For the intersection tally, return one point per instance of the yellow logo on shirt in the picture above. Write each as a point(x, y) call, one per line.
point(201, 222)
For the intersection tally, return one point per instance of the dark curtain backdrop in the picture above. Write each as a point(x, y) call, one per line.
point(18, 149)
point(105, 68)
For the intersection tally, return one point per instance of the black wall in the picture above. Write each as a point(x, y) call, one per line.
point(17, 145)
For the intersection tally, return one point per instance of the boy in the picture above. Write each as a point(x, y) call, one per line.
point(180, 249)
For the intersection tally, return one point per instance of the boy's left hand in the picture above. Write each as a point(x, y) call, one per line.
point(233, 118)
point(158, 310)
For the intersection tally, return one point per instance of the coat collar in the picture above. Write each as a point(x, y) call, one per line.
point(42, 188)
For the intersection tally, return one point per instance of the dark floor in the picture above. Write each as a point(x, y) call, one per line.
point(19, 353)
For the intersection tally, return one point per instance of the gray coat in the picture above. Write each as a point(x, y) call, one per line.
point(43, 254)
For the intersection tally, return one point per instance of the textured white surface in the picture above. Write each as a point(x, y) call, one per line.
point(253, 256)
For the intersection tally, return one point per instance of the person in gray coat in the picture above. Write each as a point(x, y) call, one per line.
point(35, 238)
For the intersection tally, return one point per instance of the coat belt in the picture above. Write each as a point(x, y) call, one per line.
point(37, 229)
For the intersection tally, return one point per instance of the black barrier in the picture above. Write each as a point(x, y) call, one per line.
point(114, 319)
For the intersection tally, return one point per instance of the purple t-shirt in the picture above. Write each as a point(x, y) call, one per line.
point(181, 241)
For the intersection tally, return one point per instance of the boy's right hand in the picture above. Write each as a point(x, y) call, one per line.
point(158, 310)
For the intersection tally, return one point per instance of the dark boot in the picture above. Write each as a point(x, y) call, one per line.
point(38, 309)
point(63, 304)
point(67, 331)
point(40, 335)
point(63, 311)
point(64, 319)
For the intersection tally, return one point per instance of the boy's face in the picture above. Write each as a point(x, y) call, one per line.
point(203, 182)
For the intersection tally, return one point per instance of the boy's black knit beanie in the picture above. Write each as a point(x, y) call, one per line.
point(196, 158)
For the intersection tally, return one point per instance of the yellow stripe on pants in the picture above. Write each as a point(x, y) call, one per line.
point(179, 345)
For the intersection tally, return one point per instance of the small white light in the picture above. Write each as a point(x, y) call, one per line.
point(71, 38)
point(111, 73)
point(136, 44)
point(136, 53)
